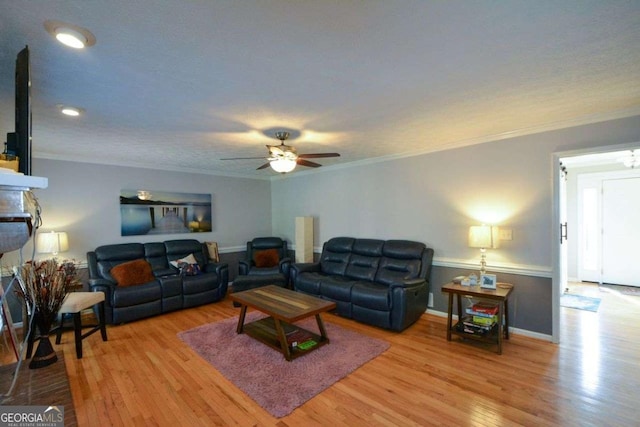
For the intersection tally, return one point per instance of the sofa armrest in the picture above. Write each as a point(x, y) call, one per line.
point(164, 272)
point(409, 300)
point(216, 267)
point(222, 270)
point(284, 266)
point(243, 267)
point(304, 267)
point(101, 282)
point(103, 285)
point(410, 283)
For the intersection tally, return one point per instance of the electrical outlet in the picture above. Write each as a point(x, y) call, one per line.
point(430, 304)
point(506, 234)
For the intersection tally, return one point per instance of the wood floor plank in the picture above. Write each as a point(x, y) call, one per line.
point(145, 375)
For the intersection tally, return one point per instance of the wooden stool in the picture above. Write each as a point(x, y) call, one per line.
point(73, 304)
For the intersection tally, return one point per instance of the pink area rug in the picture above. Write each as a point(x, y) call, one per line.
point(263, 373)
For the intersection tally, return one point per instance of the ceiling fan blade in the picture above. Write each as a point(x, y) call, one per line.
point(318, 155)
point(303, 162)
point(266, 165)
point(244, 158)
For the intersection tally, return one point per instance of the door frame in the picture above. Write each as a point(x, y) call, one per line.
point(557, 267)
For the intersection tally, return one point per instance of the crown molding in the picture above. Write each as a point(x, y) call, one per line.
point(163, 168)
point(564, 124)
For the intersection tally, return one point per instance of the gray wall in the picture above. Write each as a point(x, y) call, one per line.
point(83, 200)
point(434, 198)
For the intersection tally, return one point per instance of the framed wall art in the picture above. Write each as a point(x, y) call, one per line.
point(163, 212)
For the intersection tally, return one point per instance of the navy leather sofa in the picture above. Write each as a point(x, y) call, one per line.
point(168, 291)
point(382, 283)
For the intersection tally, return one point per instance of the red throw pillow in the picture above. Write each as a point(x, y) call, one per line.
point(266, 258)
point(136, 272)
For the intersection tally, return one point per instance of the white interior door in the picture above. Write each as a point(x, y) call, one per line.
point(620, 231)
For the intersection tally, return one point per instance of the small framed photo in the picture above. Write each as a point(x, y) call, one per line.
point(488, 281)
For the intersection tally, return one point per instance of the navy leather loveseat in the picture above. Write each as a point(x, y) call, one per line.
point(167, 289)
point(382, 283)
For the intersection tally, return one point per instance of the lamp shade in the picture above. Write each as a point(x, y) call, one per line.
point(52, 243)
point(483, 236)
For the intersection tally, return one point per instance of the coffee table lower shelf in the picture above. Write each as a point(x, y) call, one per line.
point(265, 331)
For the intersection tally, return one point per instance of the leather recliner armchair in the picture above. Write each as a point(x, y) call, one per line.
point(277, 268)
point(267, 263)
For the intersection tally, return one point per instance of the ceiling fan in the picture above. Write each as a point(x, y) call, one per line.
point(283, 158)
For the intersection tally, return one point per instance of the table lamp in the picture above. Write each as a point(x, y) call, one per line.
point(53, 242)
point(483, 237)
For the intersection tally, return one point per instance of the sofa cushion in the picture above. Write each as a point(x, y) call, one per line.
point(362, 267)
point(136, 295)
point(108, 256)
point(266, 258)
point(265, 271)
point(309, 283)
point(395, 271)
point(371, 295)
point(335, 255)
point(401, 260)
point(337, 288)
point(156, 255)
point(130, 273)
point(368, 247)
point(198, 284)
point(403, 249)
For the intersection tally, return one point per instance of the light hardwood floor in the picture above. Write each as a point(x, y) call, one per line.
point(144, 375)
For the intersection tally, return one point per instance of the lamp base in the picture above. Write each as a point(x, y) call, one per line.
point(483, 261)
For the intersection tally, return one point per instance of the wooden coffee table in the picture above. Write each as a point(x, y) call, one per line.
point(284, 307)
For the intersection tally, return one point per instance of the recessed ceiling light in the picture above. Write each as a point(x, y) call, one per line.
point(69, 111)
point(69, 34)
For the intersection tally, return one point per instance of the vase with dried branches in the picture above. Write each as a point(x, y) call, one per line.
point(44, 285)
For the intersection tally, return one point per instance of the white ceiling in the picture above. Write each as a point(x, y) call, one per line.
point(178, 85)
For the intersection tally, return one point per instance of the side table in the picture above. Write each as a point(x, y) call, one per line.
point(499, 295)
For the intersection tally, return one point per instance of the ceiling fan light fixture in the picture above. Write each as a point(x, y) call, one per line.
point(71, 38)
point(631, 160)
point(283, 165)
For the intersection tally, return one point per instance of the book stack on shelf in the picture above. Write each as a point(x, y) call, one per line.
point(300, 338)
point(480, 319)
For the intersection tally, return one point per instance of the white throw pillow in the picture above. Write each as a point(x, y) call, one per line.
point(189, 259)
